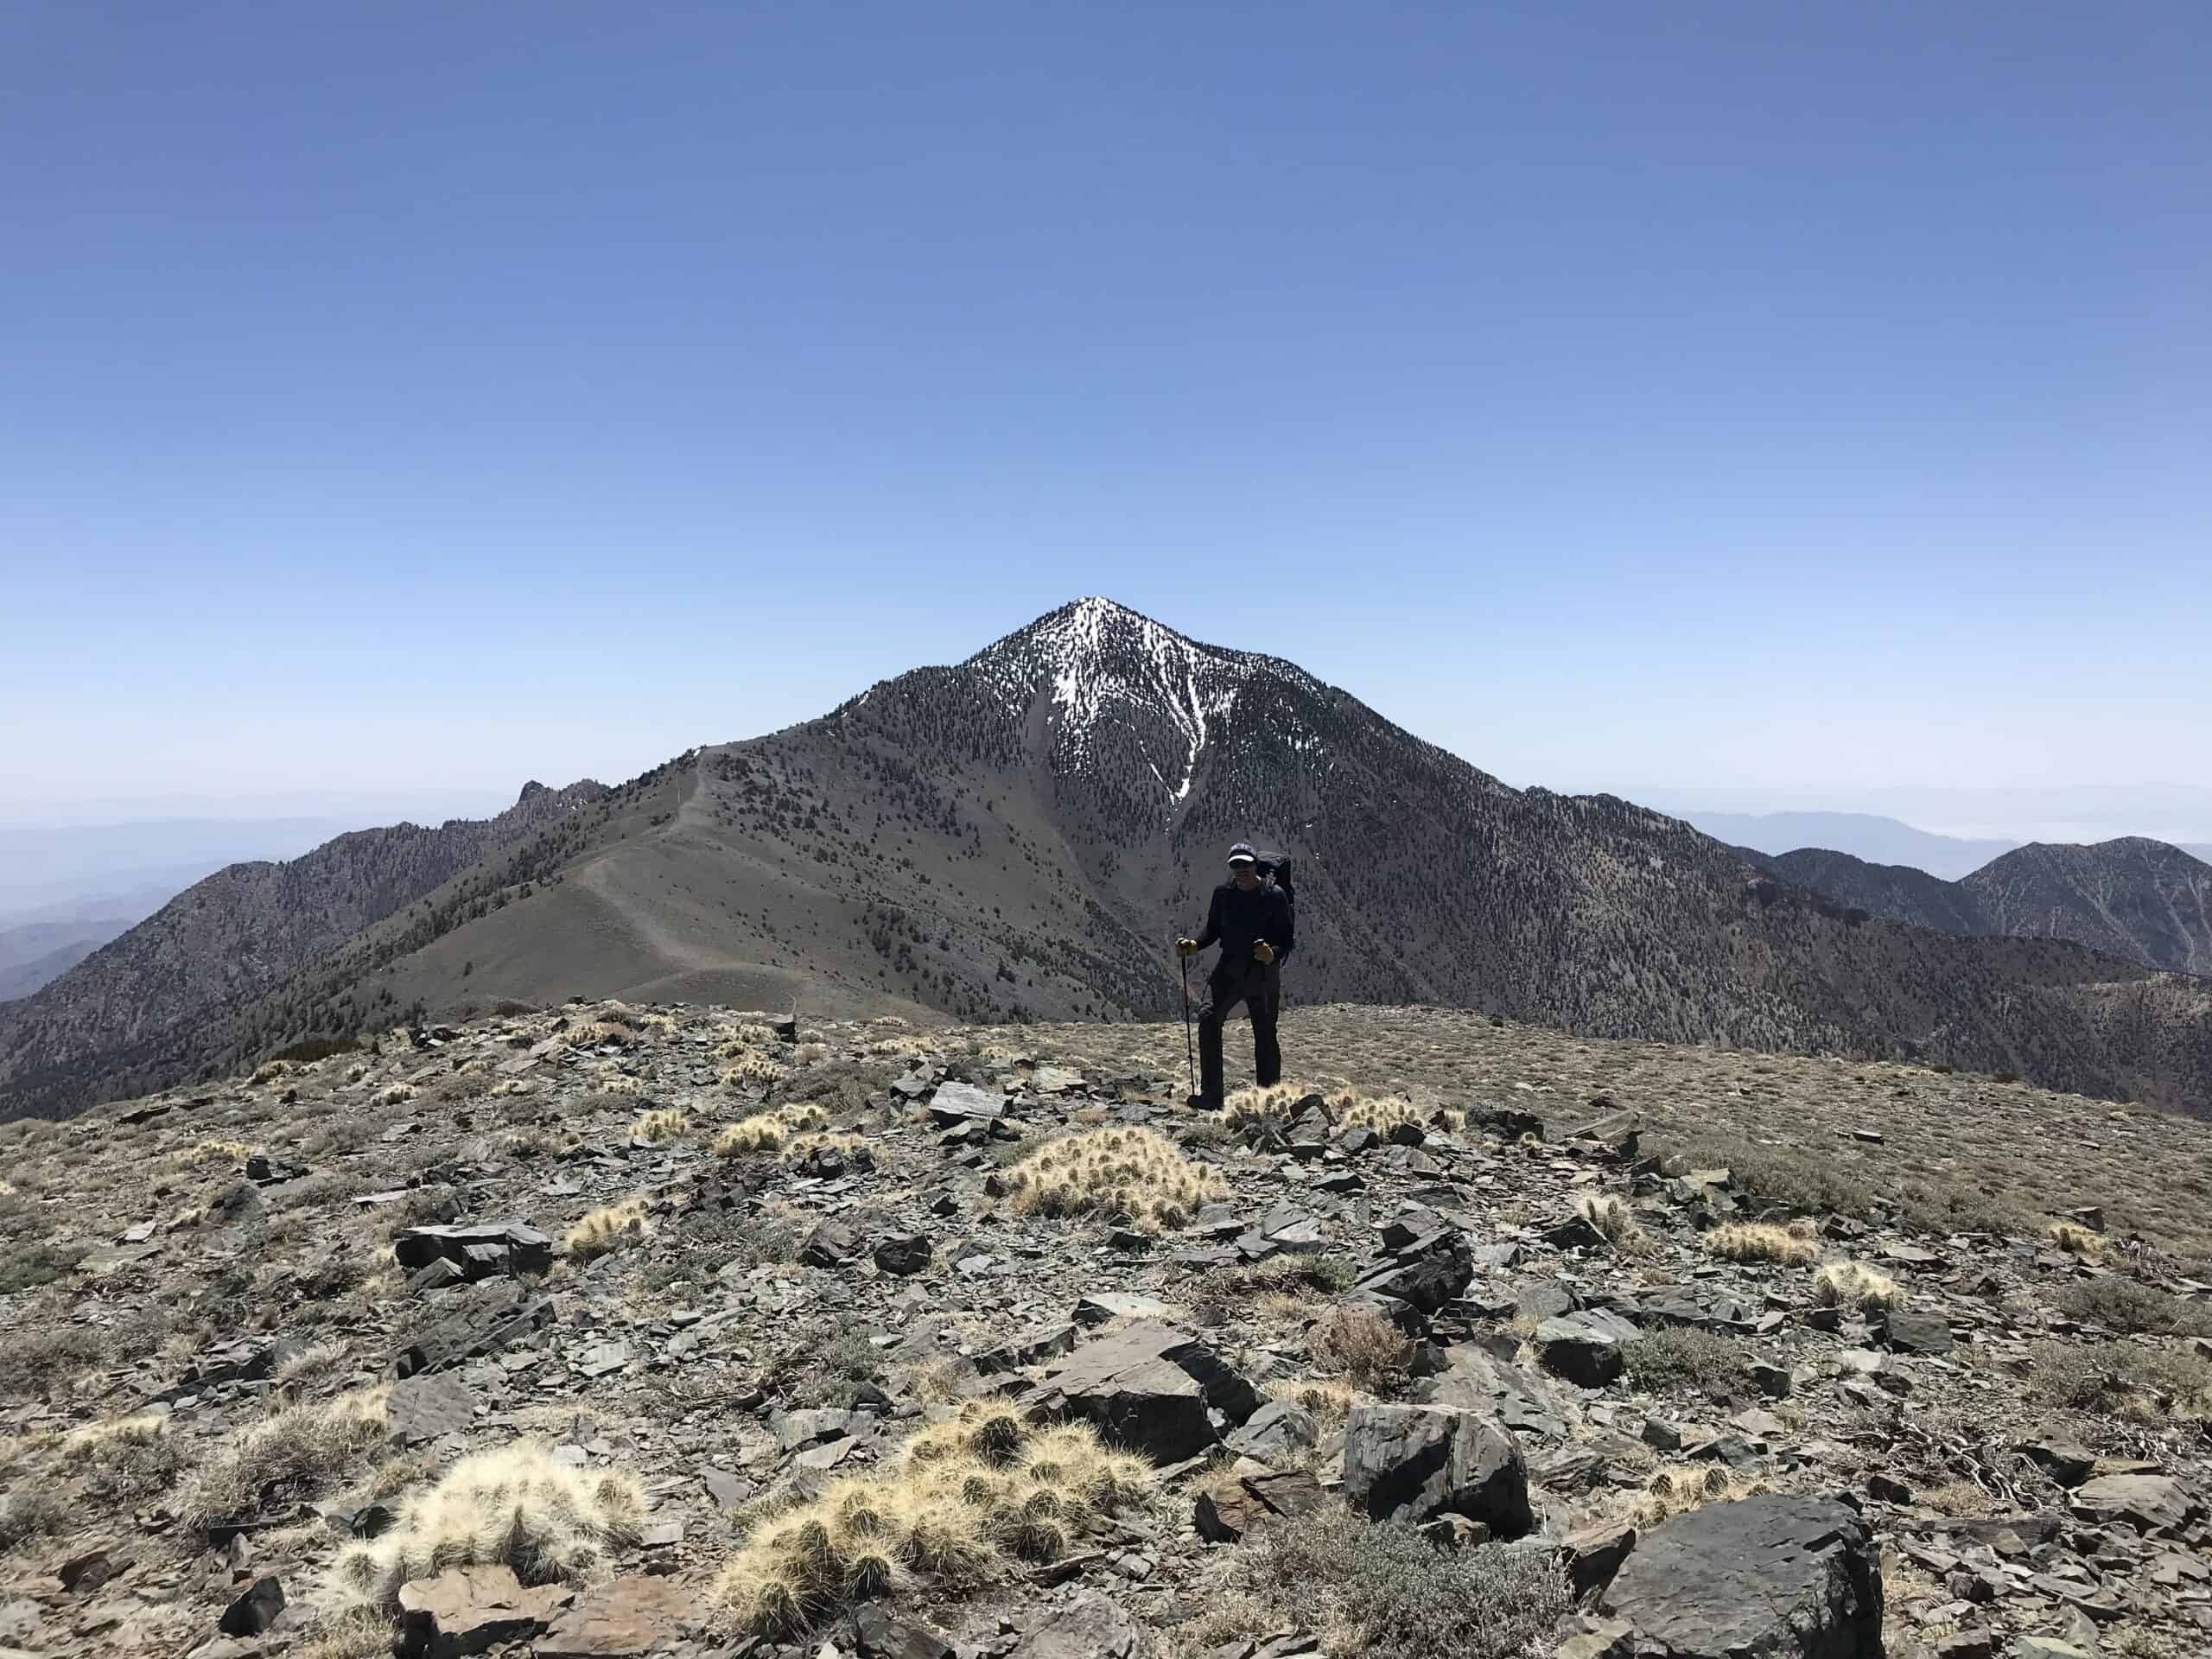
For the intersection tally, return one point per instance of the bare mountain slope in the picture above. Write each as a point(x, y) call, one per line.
point(2141, 900)
point(1020, 836)
point(243, 931)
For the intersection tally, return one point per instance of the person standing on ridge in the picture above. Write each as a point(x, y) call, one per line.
point(1251, 922)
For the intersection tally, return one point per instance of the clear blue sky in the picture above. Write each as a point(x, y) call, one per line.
point(1807, 398)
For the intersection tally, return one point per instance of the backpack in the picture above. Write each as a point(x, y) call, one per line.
point(1276, 867)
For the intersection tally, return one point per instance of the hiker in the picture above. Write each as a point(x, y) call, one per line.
point(1251, 922)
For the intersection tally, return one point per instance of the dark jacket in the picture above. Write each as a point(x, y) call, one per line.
point(1237, 917)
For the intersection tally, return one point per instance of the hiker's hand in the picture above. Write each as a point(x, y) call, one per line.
point(1186, 947)
point(1262, 952)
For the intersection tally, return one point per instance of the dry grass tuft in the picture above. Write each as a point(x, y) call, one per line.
point(140, 1430)
point(967, 1498)
point(1612, 1217)
point(658, 1128)
point(515, 1506)
point(1757, 1240)
point(1683, 1486)
point(210, 1151)
point(769, 1131)
point(802, 1148)
point(1855, 1285)
point(1360, 1344)
point(1134, 1175)
point(284, 1458)
point(606, 1229)
point(2076, 1240)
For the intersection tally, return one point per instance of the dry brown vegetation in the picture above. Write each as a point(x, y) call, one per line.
point(1791, 1247)
point(1134, 1175)
point(965, 1498)
point(606, 1229)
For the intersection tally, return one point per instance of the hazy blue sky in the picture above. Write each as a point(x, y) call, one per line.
point(1782, 400)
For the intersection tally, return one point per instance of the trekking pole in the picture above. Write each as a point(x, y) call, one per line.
point(1190, 1054)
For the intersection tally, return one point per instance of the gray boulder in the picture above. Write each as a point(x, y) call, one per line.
point(1153, 1389)
point(1774, 1577)
point(1414, 1463)
point(1583, 1348)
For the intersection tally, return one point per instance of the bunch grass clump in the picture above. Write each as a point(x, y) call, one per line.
point(658, 1128)
point(2076, 1240)
point(1758, 1240)
point(769, 1131)
point(799, 1148)
point(1134, 1175)
point(285, 1457)
point(1613, 1218)
point(968, 1497)
point(514, 1506)
point(606, 1229)
point(211, 1151)
point(1855, 1285)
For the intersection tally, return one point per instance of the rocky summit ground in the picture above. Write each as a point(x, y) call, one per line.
point(614, 1330)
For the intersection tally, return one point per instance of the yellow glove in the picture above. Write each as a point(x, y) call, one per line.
point(1186, 947)
point(1262, 952)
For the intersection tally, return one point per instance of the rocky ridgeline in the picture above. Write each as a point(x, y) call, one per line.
point(1403, 1379)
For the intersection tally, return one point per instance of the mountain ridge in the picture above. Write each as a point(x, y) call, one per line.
point(1019, 836)
point(2145, 901)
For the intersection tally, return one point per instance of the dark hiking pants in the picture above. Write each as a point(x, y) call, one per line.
point(1259, 989)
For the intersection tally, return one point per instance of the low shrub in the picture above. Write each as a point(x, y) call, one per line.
point(1684, 1357)
point(2127, 1305)
point(2129, 1381)
point(1359, 1343)
point(1381, 1588)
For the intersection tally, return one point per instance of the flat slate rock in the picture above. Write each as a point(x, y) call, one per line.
point(963, 1102)
point(467, 1609)
point(2154, 1502)
point(620, 1619)
point(1773, 1577)
point(421, 1408)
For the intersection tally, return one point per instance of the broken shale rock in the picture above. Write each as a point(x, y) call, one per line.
point(1772, 1577)
point(1414, 1463)
point(486, 1249)
point(1153, 1389)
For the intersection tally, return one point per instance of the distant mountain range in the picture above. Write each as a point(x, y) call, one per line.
point(2133, 898)
point(132, 1004)
point(1864, 835)
point(1022, 834)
